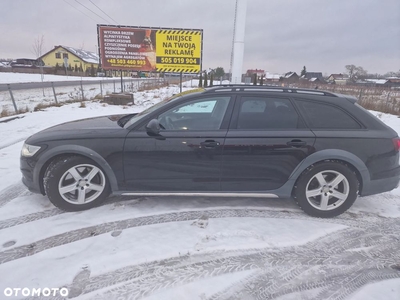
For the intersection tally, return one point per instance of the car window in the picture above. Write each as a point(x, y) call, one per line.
point(200, 114)
point(198, 107)
point(139, 116)
point(260, 113)
point(324, 116)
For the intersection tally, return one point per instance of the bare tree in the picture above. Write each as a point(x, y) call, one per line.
point(37, 49)
point(355, 72)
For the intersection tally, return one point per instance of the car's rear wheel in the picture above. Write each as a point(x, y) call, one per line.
point(326, 189)
point(75, 183)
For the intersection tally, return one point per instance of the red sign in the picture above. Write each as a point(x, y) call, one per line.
point(127, 48)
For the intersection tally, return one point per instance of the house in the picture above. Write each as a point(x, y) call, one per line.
point(316, 80)
point(272, 78)
point(77, 59)
point(26, 62)
point(340, 79)
point(393, 82)
point(260, 73)
point(289, 77)
point(309, 75)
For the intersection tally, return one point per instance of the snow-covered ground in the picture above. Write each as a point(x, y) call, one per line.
point(28, 99)
point(189, 248)
point(24, 77)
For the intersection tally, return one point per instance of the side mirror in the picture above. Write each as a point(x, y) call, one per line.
point(153, 129)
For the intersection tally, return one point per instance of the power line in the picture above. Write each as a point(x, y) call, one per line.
point(80, 11)
point(104, 12)
point(90, 10)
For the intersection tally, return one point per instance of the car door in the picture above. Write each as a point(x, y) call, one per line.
point(186, 156)
point(267, 139)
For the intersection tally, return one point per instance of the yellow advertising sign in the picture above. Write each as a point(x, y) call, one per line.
point(178, 51)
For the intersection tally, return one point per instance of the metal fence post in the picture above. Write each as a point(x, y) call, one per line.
point(12, 98)
point(387, 101)
point(83, 96)
point(101, 89)
point(54, 92)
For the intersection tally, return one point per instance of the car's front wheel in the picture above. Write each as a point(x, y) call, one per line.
point(326, 189)
point(75, 183)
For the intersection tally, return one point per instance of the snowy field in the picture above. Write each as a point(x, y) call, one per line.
point(6, 77)
point(28, 99)
point(189, 248)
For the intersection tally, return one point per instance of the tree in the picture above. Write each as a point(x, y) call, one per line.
point(205, 80)
point(56, 69)
point(76, 68)
point(201, 79)
point(211, 79)
point(255, 79)
point(37, 49)
point(391, 74)
point(355, 72)
point(92, 70)
point(262, 80)
point(303, 72)
point(219, 72)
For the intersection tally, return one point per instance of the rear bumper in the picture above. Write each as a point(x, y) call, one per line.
point(380, 186)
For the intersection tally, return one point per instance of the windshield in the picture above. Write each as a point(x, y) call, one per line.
point(149, 110)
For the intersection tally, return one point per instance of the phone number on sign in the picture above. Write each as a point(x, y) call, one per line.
point(136, 62)
point(178, 60)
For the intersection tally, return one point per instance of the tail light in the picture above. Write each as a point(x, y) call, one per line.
point(396, 143)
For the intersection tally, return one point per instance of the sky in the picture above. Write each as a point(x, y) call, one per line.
point(281, 35)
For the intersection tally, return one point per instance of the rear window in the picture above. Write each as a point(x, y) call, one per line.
point(325, 116)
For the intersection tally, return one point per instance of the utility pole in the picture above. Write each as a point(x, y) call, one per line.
point(238, 41)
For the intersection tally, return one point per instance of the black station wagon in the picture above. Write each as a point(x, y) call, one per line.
point(320, 148)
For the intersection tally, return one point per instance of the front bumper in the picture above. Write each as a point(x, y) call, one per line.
point(27, 168)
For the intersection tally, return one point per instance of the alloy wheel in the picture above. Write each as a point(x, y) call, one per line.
point(81, 184)
point(327, 190)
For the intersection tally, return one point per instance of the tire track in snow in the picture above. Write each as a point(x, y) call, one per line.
point(12, 143)
point(87, 232)
point(280, 275)
point(13, 191)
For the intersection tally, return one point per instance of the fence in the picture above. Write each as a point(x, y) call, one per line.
point(383, 99)
point(18, 98)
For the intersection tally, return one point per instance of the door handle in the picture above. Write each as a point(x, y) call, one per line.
point(208, 144)
point(296, 143)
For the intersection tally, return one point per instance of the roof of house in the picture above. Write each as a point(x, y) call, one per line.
point(309, 75)
point(258, 71)
point(87, 56)
point(377, 81)
point(339, 76)
point(272, 76)
point(289, 74)
point(5, 63)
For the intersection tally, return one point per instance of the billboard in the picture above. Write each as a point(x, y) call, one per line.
point(150, 49)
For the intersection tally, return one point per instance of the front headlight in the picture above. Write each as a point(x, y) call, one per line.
point(29, 150)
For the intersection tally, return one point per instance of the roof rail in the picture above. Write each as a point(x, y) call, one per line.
point(269, 88)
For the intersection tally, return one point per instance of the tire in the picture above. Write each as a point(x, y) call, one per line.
point(326, 190)
point(75, 183)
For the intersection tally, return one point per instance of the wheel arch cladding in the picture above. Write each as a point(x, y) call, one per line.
point(68, 150)
point(354, 162)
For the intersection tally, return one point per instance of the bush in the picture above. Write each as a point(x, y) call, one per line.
point(5, 113)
